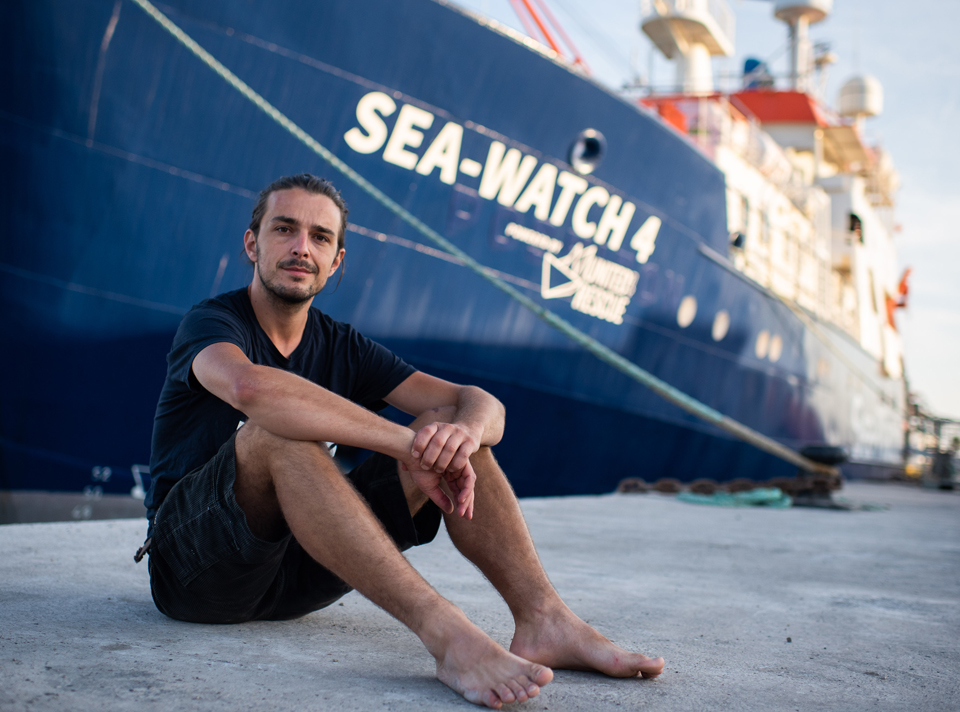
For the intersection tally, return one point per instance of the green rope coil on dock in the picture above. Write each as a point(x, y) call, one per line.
point(605, 354)
point(761, 497)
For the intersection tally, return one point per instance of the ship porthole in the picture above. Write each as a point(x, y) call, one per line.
point(763, 344)
point(587, 151)
point(776, 348)
point(721, 325)
point(687, 311)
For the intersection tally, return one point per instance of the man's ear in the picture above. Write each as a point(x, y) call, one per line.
point(338, 260)
point(250, 245)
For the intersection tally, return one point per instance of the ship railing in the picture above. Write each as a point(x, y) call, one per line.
point(714, 120)
point(806, 281)
point(734, 129)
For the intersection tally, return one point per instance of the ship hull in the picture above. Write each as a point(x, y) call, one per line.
point(131, 169)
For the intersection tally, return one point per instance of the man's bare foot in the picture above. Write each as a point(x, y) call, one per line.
point(561, 640)
point(471, 663)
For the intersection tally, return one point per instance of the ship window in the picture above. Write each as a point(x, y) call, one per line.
point(856, 226)
point(587, 151)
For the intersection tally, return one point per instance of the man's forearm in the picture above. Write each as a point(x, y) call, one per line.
point(297, 409)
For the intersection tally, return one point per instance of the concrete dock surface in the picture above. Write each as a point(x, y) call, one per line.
point(753, 609)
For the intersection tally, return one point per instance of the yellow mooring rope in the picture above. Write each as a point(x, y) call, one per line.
point(661, 388)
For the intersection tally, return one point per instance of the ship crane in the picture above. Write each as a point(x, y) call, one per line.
point(538, 24)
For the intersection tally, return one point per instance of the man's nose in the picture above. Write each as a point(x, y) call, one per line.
point(301, 245)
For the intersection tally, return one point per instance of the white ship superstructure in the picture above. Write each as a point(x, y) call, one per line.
point(809, 201)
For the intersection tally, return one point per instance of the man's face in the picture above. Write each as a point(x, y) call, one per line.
point(296, 250)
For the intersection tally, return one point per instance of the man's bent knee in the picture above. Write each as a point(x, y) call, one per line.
point(258, 448)
point(262, 455)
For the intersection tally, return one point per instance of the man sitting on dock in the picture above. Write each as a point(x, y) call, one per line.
point(251, 519)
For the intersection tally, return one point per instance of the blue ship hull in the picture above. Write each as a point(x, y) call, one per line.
point(130, 170)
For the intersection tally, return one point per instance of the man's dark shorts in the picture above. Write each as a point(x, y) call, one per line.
point(206, 566)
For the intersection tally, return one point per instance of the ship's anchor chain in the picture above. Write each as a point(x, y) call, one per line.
point(605, 354)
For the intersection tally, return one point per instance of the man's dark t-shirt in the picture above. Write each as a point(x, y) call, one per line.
point(191, 424)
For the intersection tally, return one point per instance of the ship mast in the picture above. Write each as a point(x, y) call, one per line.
point(690, 32)
point(799, 15)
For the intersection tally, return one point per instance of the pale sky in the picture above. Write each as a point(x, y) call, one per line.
point(916, 57)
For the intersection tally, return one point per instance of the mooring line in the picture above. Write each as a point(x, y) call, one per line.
point(605, 354)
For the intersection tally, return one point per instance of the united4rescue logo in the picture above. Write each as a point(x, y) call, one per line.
point(599, 287)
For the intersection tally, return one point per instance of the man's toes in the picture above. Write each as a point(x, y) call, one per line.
point(506, 694)
point(651, 667)
point(491, 700)
point(527, 688)
point(541, 675)
point(518, 690)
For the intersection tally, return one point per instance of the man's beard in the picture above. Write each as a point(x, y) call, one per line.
point(290, 295)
